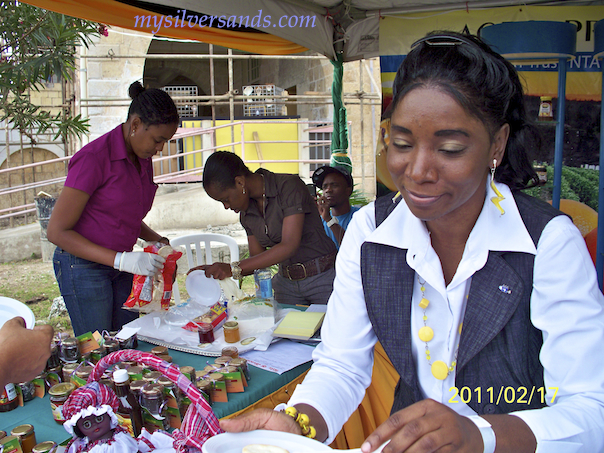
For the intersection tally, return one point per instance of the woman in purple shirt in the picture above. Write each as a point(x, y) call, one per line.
point(99, 214)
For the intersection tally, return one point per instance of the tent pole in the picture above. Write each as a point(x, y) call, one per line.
point(212, 88)
point(600, 238)
point(231, 104)
point(362, 107)
point(559, 142)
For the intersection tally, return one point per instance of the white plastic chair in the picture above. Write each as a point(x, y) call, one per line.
point(194, 242)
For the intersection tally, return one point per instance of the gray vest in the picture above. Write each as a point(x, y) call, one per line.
point(499, 346)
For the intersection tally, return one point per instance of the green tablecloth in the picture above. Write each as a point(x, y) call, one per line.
point(262, 383)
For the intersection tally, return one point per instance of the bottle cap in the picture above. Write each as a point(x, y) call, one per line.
point(120, 376)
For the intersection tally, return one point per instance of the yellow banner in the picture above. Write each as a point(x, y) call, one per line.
point(584, 77)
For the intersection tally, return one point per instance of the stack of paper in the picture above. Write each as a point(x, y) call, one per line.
point(299, 325)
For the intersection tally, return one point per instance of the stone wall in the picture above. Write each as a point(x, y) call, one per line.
point(110, 78)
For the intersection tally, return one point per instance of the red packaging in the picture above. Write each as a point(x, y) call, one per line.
point(154, 293)
point(216, 315)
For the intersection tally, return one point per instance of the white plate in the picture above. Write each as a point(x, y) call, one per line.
point(9, 308)
point(202, 289)
point(234, 442)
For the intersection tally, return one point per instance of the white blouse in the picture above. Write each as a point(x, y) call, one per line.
point(566, 305)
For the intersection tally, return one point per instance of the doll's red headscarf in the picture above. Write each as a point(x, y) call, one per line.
point(91, 399)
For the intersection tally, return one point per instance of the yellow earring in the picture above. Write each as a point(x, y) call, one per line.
point(499, 198)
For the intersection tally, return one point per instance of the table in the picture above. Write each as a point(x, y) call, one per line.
point(263, 386)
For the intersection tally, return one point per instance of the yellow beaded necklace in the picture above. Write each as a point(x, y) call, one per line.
point(439, 369)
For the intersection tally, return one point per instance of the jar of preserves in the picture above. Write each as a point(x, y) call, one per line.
point(159, 350)
point(54, 360)
point(10, 444)
point(58, 395)
point(54, 376)
point(241, 363)
point(230, 351)
point(231, 331)
point(152, 376)
point(128, 343)
point(69, 370)
point(214, 379)
point(135, 373)
point(167, 384)
point(223, 360)
point(70, 350)
point(546, 112)
point(136, 387)
point(152, 398)
point(28, 390)
point(2, 434)
point(45, 447)
point(8, 398)
point(171, 395)
point(165, 357)
point(26, 435)
point(82, 374)
point(111, 346)
point(97, 354)
point(205, 387)
point(189, 372)
point(205, 330)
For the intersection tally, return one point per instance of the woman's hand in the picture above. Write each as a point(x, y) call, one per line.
point(261, 419)
point(219, 271)
point(426, 426)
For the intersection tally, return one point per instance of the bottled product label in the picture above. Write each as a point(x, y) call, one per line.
point(126, 423)
point(264, 284)
point(8, 394)
point(57, 412)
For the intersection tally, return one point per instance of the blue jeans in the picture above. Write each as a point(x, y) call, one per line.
point(93, 293)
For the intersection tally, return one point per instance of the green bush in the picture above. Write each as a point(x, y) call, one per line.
point(579, 184)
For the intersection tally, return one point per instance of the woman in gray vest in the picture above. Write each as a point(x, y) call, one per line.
point(484, 298)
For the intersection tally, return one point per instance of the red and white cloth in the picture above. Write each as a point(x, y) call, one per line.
point(200, 422)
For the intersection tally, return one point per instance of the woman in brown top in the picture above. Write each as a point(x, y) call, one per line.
point(283, 227)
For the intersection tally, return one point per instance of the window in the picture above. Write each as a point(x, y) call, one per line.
point(319, 150)
point(253, 71)
point(187, 108)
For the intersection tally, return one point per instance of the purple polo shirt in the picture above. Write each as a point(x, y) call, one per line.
point(120, 196)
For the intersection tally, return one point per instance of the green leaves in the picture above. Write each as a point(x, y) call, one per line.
point(579, 184)
point(36, 45)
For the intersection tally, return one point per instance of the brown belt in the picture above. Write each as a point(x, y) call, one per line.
point(300, 271)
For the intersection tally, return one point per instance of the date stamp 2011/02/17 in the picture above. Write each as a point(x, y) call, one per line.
point(509, 394)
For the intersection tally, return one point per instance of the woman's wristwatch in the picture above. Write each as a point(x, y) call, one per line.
point(235, 270)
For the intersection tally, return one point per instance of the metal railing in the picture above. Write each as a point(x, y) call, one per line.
point(169, 166)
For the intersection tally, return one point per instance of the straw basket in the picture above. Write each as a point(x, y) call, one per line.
point(199, 423)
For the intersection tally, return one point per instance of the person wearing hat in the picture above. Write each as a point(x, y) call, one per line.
point(334, 205)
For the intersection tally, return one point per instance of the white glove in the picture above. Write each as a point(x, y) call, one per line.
point(140, 263)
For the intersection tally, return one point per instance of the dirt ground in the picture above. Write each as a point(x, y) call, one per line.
point(33, 283)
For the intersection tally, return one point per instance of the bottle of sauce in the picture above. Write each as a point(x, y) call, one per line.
point(129, 410)
point(8, 398)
